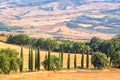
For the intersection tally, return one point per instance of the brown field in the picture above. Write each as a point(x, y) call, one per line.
point(79, 74)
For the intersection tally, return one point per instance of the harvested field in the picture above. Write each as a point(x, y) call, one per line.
point(65, 75)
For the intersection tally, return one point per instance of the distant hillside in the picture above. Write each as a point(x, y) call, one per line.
point(46, 17)
point(4, 27)
point(105, 24)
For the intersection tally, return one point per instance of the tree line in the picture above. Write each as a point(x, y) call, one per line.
point(103, 53)
point(110, 48)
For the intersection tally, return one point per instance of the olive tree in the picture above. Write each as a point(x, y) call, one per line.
point(9, 60)
point(55, 63)
point(116, 59)
point(99, 60)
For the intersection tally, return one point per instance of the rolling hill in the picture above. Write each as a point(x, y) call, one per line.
point(80, 19)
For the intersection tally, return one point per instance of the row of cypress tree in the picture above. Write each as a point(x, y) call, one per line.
point(37, 59)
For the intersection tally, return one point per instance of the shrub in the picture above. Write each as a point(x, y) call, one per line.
point(99, 60)
point(55, 63)
point(116, 59)
point(9, 60)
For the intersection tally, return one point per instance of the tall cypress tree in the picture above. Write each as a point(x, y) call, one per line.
point(49, 59)
point(75, 62)
point(21, 56)
point(68, 61)
point(61, 48)
point(59, 55)
point(38, 59)
point(29, 58)
point(82, 59)
point(31, 65)
point(46, 57)
point(87, 59)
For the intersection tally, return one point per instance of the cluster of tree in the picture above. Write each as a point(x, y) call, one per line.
point(2, 34)
point(23, 39)
point(9, 60)
point(111, 48)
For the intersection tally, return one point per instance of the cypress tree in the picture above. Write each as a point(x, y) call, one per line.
point(87, 59)
point(82, 59)
point(49, 58)
point(68, 61)
point(21, 56)
point(75, 62)
point(91, 52)
point(29, 58)
point(31, 61)
point(46, 57)
point(59, 55)
point(38, 59)
point(62, 56)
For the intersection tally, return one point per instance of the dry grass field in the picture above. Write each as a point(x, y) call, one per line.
point(79, 74)
point(65, 75)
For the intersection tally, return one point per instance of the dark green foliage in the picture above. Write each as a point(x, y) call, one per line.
point(61, 55)
point(9, 60)
point(87, 49)
point(45, 63)
point(68, 61)
point(95, 43)
point(115, 58)
point(40, 43)
point(67, 46)
point(4, 63)
point(38, 60)
point(105, 47)
point(75, 61)
point(50, 42)
point(87, 60)
point(21, 56)
point(49, 59)
point(19, 39)
point(82, 59)
point(2, 34)
point(31, 60)
point(54, 63)
point(99, 60)
point(77, 46)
